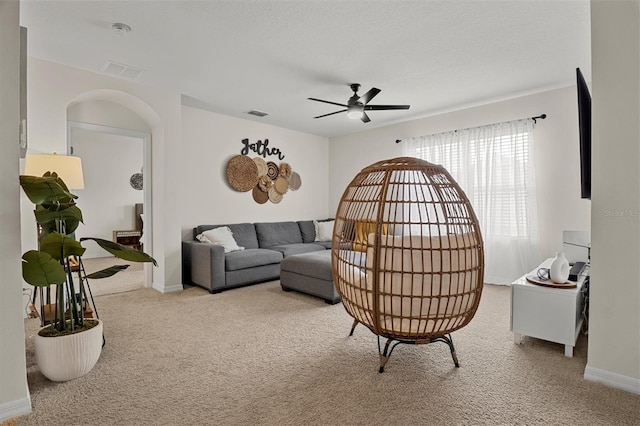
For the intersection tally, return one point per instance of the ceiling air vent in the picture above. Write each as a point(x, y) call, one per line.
point(257, 113)
point(121, 70)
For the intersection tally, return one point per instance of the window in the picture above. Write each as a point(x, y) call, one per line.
point(494, 166)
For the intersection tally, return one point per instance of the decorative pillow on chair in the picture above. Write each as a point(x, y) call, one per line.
point(221, 236)
point(363, 229)
point(324, 230)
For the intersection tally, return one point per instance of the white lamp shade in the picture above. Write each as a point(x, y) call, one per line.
point(67, 167)
point(355, 111)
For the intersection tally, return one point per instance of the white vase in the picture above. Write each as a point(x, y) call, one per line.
point(68, 357)
point(559, 269)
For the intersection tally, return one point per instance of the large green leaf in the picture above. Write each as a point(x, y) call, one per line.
point(106, 273)
point(45, 190)
point(41, 270)
point(71, 216)
point(122, 252)
point(59, 245)
point(58, 179)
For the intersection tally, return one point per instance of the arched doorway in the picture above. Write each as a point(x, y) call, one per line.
point(113, 114)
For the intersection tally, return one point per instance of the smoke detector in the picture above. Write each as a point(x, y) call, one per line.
point(120, 29)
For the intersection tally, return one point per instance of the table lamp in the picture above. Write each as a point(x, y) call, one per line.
point(67, 167)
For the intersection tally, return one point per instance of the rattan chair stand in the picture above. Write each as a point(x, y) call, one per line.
point(407, 254)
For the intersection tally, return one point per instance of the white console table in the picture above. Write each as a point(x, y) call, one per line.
point(552, 314)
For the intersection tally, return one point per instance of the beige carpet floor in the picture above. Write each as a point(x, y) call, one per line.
point(260, 356)
point(129, 279)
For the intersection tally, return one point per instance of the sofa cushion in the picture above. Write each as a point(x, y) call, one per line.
point(278, 233)
point(324, 230)
point(250, 258)
point(325, 244)
point(291, 249)
point(363, 230)
point(316, 264)
point(308, 229)
point(221, 236)
point(243, 233)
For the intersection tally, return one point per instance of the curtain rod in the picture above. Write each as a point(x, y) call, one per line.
point(541, 117)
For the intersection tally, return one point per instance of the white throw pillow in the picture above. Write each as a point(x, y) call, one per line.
point(221, 236)
point(324, 230)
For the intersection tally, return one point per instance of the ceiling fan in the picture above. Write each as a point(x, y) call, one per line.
point(357, 105)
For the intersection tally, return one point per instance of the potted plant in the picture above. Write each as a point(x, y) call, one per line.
point(70, 345)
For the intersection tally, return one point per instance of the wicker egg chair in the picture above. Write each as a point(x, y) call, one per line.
point(407, 254)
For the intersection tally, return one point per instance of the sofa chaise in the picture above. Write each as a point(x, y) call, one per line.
point(264, 245)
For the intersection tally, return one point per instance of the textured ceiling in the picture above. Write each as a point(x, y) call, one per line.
point(234, 56)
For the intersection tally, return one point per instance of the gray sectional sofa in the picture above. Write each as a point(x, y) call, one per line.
point(265, 245)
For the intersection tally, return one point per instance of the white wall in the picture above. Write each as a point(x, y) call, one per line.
point(107, 200)
point(614, 331)
point(54, 87)
point(194, 159)
point(14, 394)
point(105, 113)
point(209, 140)
point(556, 155)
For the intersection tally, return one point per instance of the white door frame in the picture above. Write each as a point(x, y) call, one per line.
point(147, 223)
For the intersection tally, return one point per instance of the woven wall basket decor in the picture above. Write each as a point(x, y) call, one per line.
point(295, 182)
point(407, 254)
point(242, 173)
point(272, 170)
point(265, 179)
point(281, 184)
point(259, 196)
point(262, 166)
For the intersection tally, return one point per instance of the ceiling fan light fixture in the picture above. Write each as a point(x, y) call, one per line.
point(355, 112)
point(356, 105)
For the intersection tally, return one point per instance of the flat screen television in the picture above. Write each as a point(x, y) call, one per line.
point(584, 126)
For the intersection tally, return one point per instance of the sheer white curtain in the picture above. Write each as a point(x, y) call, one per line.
point(494, 166)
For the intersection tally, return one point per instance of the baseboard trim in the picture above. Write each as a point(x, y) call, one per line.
point(614, 380)
point(16, 408)
point(169, 289)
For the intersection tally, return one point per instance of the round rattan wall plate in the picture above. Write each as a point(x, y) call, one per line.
point(281, 185)
point(264, 183)
point(259, 196)
point(242, 173)
point(295, 182)
point(136, 181)
point(274, 196)
point(262, 166)
point(272, 170)
point(285, 170)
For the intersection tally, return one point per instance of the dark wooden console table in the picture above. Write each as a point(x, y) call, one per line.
point(130, 238)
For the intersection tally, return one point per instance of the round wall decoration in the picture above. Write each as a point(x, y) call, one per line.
point(264, 183)
point(260, 196)
point(242, 173)
point(294, 181)
point(285, 170)
point(266, 180)
point(136, 181)
point(281, 185)
point(274, 196)
point(262, 166)
point(272, 170)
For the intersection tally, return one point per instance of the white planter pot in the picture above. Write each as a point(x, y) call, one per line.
point(69, 357)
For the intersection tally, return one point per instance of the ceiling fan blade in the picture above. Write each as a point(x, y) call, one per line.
point(327, 102)
point(369, 95)
point(331, 113)
point(365, 118)
point(383, 107)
